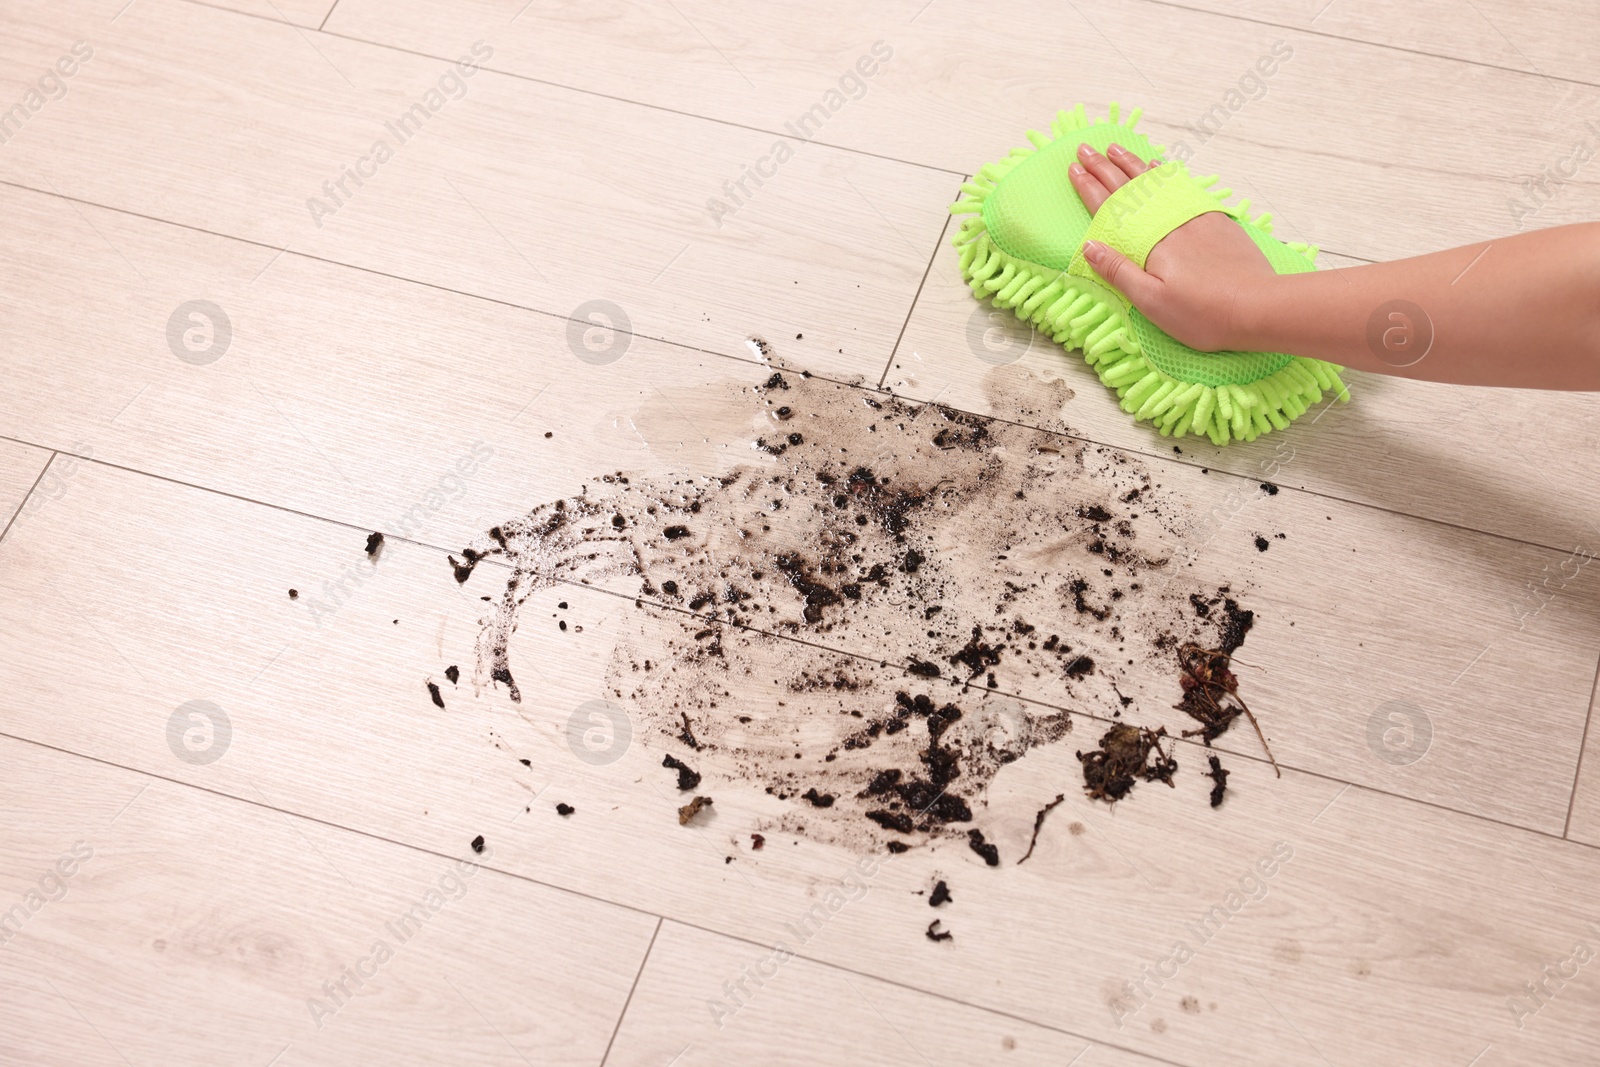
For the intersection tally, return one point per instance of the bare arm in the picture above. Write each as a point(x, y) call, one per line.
point(1518, 311)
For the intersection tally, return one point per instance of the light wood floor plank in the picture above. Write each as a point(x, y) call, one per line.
point(1543, 37)
point(1403, 930)
point(795, 1012)
point(1427, 155)
point(1506, 461)
point(533, 195)
point(193, 928)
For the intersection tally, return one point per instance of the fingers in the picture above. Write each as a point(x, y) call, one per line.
point(1095, 177)
point(1108, 173)
point(1122, 274)
point(1126, 161)
point(1088, 187)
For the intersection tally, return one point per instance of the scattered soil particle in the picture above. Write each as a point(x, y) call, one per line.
point(687, 736)
point(819, 800)
point(477, 843)
point(897, 847)
point(691, 809)
point(1124, 757)
point(990, 854)
point(673, 533)
point(1269, 489)
point(940, 894)
point(933, 933)
point(453, 673)
point(1190, 1005)
point(294, 594)
point(438, 697)
point(565, 809)
point(374, 545)
point(687, 777)
point(757, 842)
point(1038, 821)
point(1262, 544)
point(1219, 776)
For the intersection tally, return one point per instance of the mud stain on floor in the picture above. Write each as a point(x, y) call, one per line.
point(975, 555)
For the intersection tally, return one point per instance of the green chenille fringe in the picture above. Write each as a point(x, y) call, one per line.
point(1081, 314)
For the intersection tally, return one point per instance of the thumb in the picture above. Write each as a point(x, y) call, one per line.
point(1122, 273)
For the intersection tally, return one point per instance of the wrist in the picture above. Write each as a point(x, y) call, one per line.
point(1256, 323)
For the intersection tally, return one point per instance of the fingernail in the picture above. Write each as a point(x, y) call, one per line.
point(1115, 149)
point(1085, 151)
point(1076, 170)
point(1093, 249)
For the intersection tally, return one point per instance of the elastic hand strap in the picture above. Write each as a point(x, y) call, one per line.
point(1135, 218)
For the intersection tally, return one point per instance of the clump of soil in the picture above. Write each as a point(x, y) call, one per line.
point(990, 854)
point(374, 545)
point(1219, 779)
point(940, 894)
point(933, 933)
point(438, 697)
point(1126, 755)
point(688, 778)
point(978, 558)
point(1211, 694)
point(565, 809)
point(691, 809)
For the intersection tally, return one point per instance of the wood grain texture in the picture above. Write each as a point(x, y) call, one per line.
point(332, 720)
point(804, 1013)
point(20, 467)
point(1455, 454)
point(194, 928)
point(533, 195)
point(1542, 37)
point(1428, 154)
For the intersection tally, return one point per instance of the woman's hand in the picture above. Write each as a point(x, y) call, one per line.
point(1196, 283)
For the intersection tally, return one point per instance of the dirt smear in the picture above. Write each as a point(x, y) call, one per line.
point(976, 556)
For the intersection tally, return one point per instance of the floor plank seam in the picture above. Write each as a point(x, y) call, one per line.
point(15, 515)
point(623, 1014)
point(1583, 743)
point(917, 296)
point(322, 26)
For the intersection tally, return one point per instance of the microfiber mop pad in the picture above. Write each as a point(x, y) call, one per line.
point(1022, 248)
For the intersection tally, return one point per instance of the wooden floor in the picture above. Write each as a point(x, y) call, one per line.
point(217, 803)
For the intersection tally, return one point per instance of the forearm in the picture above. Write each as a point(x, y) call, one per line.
point(1519, 311)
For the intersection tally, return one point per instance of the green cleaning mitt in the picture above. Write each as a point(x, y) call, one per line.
point(1022, 248)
